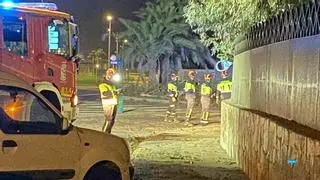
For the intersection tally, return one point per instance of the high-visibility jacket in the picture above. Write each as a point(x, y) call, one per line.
point(206, 89)
point(224, 86)
point(107, 90)
point(190, 86)
point(173, 89)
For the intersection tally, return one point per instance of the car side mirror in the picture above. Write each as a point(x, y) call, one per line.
point(75, 40)
point(75, 45)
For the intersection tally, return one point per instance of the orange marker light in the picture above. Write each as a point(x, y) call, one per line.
point(12, 109)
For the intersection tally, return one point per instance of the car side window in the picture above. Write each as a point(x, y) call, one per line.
point(21, 112)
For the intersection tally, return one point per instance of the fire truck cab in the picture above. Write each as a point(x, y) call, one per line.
point(40, 45)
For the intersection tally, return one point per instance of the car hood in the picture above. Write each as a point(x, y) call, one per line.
point(96, 137)
point(107, 142)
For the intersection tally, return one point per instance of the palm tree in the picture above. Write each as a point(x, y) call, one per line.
point(161, 41)
point(97, 57)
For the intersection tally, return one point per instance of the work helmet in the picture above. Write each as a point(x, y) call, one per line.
point(207, 77)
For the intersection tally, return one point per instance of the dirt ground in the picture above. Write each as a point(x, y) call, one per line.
point(162, 150)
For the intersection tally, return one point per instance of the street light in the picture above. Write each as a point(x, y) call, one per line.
point(125, 41)
point(109, 18)
point(97, 66)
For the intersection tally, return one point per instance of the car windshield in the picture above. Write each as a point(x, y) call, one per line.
point(58, 34)
point(21, 110)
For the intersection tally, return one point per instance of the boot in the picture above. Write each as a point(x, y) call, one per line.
point(203, 122)
point(166, 119)
point(187, 123)
point(204, 119)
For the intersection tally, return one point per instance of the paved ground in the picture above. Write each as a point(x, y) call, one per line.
point(163, 150)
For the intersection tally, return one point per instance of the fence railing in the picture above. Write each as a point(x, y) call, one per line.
point(297, 22)
point(128, 78)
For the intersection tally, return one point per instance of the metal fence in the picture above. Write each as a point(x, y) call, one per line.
point(297, 22)
point(91, 74)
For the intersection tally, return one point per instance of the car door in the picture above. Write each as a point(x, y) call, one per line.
point(31, 140)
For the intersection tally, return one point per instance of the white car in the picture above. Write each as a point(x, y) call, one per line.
point(38, 143)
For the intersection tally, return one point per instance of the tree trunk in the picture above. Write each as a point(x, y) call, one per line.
point(179, 62)
point(165, 70)
point(209, 60)
point(198, 59)
point(152, 67)
point(158, 69)
point(140, 67)
point(183, 54)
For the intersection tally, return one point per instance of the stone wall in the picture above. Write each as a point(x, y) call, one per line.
point(281, 79)
point(263, 144)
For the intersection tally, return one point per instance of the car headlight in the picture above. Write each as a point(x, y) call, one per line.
point(116, 77)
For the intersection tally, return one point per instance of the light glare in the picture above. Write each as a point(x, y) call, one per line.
point(7, 4)
point(116, 77)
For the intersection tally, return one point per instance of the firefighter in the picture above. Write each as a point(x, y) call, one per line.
point(207, 92)
point(223, 88)
point(173, 98)
point(190, 91)
point(109, 100)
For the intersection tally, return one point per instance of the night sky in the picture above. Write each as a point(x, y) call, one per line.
point(89, 16)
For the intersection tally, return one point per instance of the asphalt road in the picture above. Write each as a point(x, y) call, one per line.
point(161, 150)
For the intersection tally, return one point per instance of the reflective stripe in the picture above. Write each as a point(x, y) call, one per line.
point(109, 101)
point(224, 86)
point(189, 113)
point(206, 116)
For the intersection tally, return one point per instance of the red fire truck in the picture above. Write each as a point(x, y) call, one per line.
point(40, 45)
